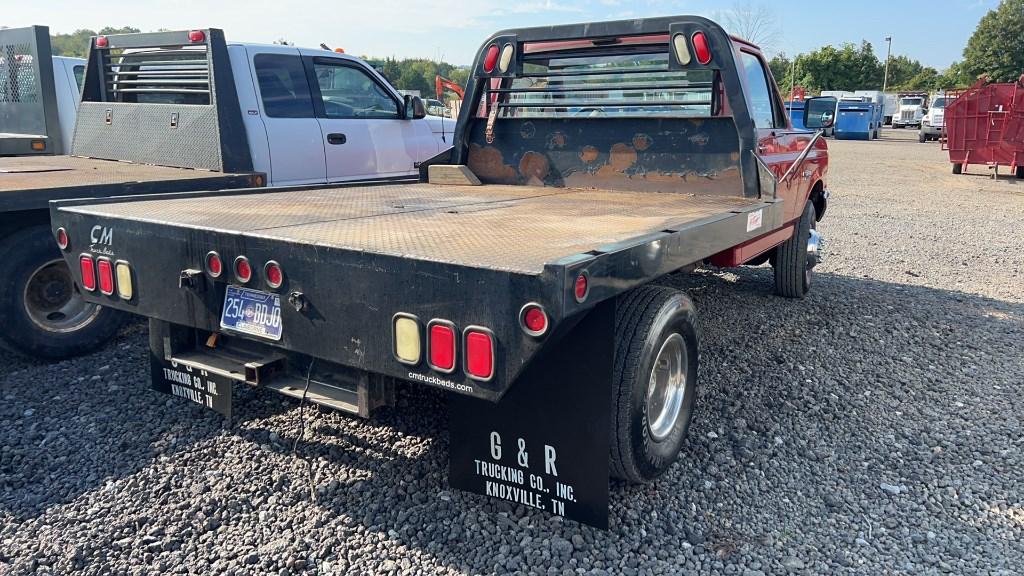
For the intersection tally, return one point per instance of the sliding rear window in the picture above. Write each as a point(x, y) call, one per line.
point(594, 84)
point(178, 75)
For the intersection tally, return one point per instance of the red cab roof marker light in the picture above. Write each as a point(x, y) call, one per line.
point(102, 42)
point(479, 346)
point(196, 36)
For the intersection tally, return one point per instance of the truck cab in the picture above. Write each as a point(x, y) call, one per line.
point(314, 116)
point(911, 110)
point(933, 124)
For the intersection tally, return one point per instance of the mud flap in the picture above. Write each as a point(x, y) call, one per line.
point(545, 444)
point(182, 380)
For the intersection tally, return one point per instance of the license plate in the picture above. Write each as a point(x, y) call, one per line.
point(252, 312)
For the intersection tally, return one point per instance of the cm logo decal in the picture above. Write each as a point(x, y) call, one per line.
point(102, 235)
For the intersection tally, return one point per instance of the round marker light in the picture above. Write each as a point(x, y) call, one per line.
point(243, 271)
point(214, 266)
point(273, 273)
point(102, 42)
point(196, 36)
point(62, 239)
point(491, 58)
point(533, 319)
point(506, 58)
point(581, 288)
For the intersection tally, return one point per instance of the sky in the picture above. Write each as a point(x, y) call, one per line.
point(932, 31)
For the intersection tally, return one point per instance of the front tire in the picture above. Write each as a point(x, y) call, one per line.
point(921, 137)
point(654, 381)
point(41, 311)
point(791, 266)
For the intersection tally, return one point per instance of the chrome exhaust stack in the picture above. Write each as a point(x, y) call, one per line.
point(815, 249)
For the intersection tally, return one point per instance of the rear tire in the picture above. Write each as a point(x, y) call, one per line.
point(41, 311)
point(655, 381)
point(958, 168)
point(792, 275)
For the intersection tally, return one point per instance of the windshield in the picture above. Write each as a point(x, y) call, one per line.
point(624, 85)
point(911, 101)
point(939, 103)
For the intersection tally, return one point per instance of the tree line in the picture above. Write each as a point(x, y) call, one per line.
point(995, 50)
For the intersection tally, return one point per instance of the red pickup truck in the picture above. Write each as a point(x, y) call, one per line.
point(520, 274)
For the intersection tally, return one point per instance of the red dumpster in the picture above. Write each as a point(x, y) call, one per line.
point(985, 125)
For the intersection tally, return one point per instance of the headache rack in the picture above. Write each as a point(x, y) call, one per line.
point(165, 98)
point(638, 83)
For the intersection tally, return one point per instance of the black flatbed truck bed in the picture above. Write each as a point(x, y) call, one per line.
point(30, 182)
point(532, 298)
point(515, 229)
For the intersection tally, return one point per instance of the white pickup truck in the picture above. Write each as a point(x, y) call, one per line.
point(187, 111)
point(933, 125)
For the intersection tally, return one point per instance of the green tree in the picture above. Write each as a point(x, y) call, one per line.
point(996, 49)
point(77, 43)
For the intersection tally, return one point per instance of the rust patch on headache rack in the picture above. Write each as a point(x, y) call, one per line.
point(557, 139)
point(488, 164)
point(588, 154)
point(642, 141)
point(534, 167)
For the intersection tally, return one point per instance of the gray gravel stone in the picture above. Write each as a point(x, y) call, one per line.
point(805, 409)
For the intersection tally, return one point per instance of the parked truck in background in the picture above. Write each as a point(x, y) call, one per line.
point(39, 93)
point(518, 275)
point(912, 107)
point(177, 111)
point(933, 124)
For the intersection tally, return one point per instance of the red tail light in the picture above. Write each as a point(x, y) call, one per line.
point(582, 287)
point(106, 274)
point(479, 353)
point(442, 345)
point(88, 272)
point(62, 239)
point(196, 36)
point(102, 42)
point(491, 58)
point(243, 271)
point(273, 273)
point(214, 265)
point(534, 319)
point(701, 49)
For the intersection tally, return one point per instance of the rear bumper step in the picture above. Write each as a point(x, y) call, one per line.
point(218, 369)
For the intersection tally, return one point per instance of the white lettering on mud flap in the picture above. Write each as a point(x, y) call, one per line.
point(514, 479)
point(754, 220)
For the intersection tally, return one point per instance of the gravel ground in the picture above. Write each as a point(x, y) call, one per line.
point(873, 428)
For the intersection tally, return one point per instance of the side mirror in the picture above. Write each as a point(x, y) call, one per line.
point(414, 107)
point(820, 112)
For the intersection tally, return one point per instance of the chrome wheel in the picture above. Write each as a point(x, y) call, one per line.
point(667, 387)
point(52, 301)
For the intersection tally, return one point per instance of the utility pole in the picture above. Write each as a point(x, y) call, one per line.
point(888, 51)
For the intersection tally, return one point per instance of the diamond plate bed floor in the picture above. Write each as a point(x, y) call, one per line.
point(18, 174)
point(513, 228)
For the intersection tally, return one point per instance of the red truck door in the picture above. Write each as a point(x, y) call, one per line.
point(777, 144)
